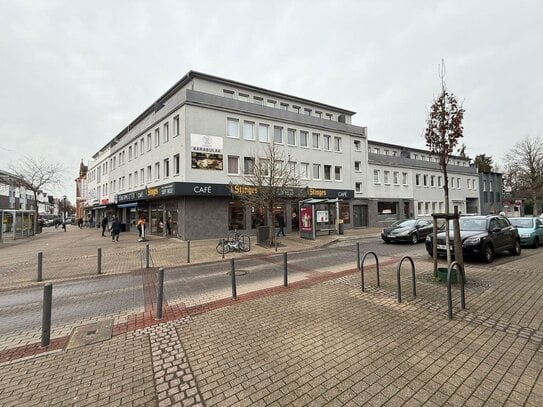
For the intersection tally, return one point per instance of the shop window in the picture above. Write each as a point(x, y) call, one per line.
point(236, 216)
point(345, 212)
point(386, 208)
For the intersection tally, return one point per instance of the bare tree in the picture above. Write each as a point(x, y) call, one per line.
point(524, 168)
point(270, 178)
point(443, 131)
point(36, 175)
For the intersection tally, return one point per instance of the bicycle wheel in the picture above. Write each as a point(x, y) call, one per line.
point(220, 248)
point(244, 243)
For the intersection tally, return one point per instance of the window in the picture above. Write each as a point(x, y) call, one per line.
point(233, 128)
point(396, 176)
point(265, 166)
point(141, 146)
point(271, 103)
point(386, 176)
point(318, 114)
point(357, 145)
point(316, 171)
point(307, 112)
point(157, 137)
point(248, 165)
point(263, 133)
point(157, 170)
point(484, 185)
point(439, 180)
point(489, 185)
point(176, 126)
point(284, 106)
point(328, 172)
point(376, 151)
point(296, 108)
point(176, 164)
point(142, 177)
point(228, 93)
point(166, 164)
point(258, 100)
point(166, 131)
point(248, 130)
point(386, 208)
point(326, 141)
point(404, 178)
point(303, 138)
point(278, 135)
point(427, 208)
point(386, 152)
point(129, 182)
point(337, 173)
point(233, 164)
point(291, 137)
point(419, 209)
point(316, 140)
point(417, 179)
point(468, 181)
point(432, 180)
point(358, 187)
point(243, 96)
point(304, 170)
point(135, 178)
point(329, 116)
point(149, 142)
point(136, 149)
point(129, 154)
point(337, 144)
point(376, 176)
point(292, 168)
point(425, 180)
point(357, 166)
point(149, 174)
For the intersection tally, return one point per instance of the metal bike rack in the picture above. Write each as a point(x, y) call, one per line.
point(362, 269)
point(449, 291)
point(398, 277)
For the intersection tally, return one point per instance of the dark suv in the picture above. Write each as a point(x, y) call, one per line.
point(482, 236)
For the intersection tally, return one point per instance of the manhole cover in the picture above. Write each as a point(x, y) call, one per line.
point(91, 333)
point(238, 272)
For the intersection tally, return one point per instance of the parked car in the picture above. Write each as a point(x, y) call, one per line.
point(482, 236)
point(530, 230)
point(407, 230)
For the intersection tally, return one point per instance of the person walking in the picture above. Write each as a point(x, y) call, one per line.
point(104, 225)
point(115, 229)
point(280, 223)
point(169, 226)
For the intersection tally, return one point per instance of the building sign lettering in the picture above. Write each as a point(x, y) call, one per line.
point(152, 192)
point(202, 189)
point(321, 193)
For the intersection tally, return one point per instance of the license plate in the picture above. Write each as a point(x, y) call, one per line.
point(443, 247)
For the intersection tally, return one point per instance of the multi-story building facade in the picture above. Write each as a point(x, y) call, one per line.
point(182, 158)
point(491, 194)
point(407, 182)
point(81, 192)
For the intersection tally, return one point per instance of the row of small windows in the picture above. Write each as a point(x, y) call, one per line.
point(293, 137)
point(237, 166)
point(387, 179)
point(436, 181)
point(422, 157)
point(138, 148)
point(427, 208)
point(277, 105)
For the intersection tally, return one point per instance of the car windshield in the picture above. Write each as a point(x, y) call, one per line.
point(470, 224)
point(522, 223)
point(406, 223)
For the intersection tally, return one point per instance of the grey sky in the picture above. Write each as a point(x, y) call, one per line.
point(74, 73)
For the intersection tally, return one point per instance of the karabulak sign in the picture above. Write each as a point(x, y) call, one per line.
point(206, 152)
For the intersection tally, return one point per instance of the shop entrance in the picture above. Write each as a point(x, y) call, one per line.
point(360, 215)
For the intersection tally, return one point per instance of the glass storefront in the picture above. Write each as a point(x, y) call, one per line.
point(16, 224)
point(236, 215)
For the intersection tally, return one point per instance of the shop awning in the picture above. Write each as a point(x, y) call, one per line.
point(99, 207)
point(128, 205)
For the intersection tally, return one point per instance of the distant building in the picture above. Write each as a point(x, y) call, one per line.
point(491, 193)
point(81, 192)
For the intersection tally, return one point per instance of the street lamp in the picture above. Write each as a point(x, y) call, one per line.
point(64, 208)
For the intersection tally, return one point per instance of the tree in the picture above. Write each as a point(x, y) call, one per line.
point(524, 168)
point(36, 175)
point(269, 179)
point(443, 131)
point(483, 163)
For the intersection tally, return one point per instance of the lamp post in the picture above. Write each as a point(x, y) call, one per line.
point(64, 208)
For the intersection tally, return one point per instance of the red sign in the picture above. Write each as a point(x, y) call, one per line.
point(306, 223)
point(104, 201)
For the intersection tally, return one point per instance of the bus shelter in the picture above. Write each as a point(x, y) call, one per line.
point(318, 215)
point(16, 224)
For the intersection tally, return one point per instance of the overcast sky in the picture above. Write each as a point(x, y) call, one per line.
point(74, 73)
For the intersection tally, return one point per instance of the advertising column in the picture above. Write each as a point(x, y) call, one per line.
point(307, 221)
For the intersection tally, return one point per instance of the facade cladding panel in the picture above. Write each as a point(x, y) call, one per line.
point(204, 125)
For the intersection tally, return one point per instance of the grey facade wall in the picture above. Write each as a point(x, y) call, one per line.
point(491, 198)
point(203, 218)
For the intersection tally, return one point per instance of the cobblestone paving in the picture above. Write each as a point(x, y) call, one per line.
point(117, 372)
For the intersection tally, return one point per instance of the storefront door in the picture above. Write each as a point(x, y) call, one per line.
point(360, 215)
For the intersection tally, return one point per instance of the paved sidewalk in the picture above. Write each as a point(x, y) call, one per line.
point(321, 341)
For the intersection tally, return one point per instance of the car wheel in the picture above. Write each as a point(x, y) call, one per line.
point(515, 251)
point(536, 242)
point(414, 238)
point(488, 253)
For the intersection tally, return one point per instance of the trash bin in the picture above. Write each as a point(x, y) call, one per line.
point(263, 233)
point(340, 224)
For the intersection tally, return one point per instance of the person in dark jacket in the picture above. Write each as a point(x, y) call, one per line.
point(104, 225)
point(280, 223)
point(115, 229)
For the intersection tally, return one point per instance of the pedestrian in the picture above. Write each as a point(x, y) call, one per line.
point(169, 226)
point(115, 229)
point(80, 223)
point(141, 227)
point(64, 225)
point(104, 225)
point(280, 223)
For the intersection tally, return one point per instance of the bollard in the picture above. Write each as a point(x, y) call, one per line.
point(147, 256)
point(160, 293)
point(358, 255)
point(285, 270)
point(233, 273)
point(40, 266)
point(99, 260)
point(46, 314)
point(222, 241)
point(275, 240)
point(188, 251)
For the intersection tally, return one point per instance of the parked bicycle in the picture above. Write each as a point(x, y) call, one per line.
point(234, 242)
